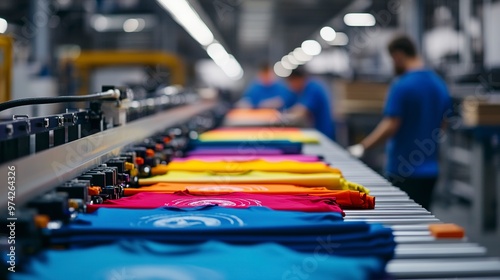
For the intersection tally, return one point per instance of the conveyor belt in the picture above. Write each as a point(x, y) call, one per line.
point(419, 255)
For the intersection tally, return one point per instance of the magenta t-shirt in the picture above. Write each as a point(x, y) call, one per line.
point(235, 151)
point(245, 158)
point(302, 203)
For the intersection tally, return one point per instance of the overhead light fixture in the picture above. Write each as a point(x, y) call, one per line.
point(301, 56)
point(122, 23)
point(281, 71)
point(311, 47)
point(340, 40)
point(359, 19)
point(134, 25)
point(327, 33)
point(3, 25)
point(186, 16)
point(292, 59)
point(232, 68)
point(100, 23)
point(225, 61)
point(287, 64)
point(217, 52)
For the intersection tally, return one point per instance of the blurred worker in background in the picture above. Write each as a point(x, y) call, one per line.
point(414, 113)
point(266, 92)
point(313, 103)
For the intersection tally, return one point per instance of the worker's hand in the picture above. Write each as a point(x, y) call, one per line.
point(271, 103)
point(356, 150)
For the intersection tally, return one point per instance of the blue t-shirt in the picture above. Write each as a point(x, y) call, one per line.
point(317, 101)
point(296, 230)
point(421, 100)
point(145, 260)
point(287, 147)
point(258, 92)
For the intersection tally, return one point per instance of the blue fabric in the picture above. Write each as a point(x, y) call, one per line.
point(296, 230)
point(258, 92)
point(212, 260)
point(317, 101)
point(421, 100)
point(288, 147)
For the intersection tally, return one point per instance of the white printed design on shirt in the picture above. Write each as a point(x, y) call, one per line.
point(224, 202)
point(185, 220)
point(161, 272)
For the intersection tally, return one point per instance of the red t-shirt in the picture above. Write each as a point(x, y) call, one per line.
point(302, 203)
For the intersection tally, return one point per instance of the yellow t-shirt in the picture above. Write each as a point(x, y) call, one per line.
point(252, 165)
point(259, 135)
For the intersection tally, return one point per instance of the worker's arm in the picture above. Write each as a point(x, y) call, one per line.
point(249, 98)
point(271, 103)
point(296, 114)
point(384, 130)
point(243, 103)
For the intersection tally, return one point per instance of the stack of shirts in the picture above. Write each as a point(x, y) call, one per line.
point(242, 187)
point(304, 232)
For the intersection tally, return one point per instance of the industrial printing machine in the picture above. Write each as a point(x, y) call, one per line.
point(56, 159)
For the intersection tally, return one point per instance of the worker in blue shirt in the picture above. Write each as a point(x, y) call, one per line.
point(267, 92)
point(418, 102)
point(313, 103)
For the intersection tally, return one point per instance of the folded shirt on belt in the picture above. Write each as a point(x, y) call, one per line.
point(140, 259)
point(333, 181)
point(258, 134)
point(254, 165)
point(287, 147)
point(242, 151)
point(301, 203)
point(347, 199)
point(236, 226)
point(244, 158)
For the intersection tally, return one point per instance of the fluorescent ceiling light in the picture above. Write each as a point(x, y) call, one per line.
point(134, 25)
point(359, 19)
point(184, 14)
point(100, 23)
point(281, 71)
point(285, 62)
point(232, 68)
point(122, 23)
point(225, 61)
point(311, 47)
point(217, 52)
point(3, 25)
point(292, 59)
point(340, 40)
point(187, 17)
point(327, 33)
point(301, 56)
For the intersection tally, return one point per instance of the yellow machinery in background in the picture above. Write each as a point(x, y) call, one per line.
point(6, 57)
point(87, 61)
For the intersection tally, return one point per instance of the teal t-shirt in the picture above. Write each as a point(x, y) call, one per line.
point(207, 261)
